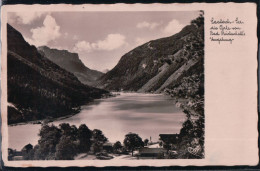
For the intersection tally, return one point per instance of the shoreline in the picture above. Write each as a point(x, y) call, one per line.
point(57, 121)
point(111, 94)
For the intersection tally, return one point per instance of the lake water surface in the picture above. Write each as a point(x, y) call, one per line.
point(148, 115)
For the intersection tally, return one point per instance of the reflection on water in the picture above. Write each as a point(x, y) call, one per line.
point(145, 114)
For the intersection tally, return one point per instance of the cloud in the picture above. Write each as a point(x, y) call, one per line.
point(75, 37)
point(173, 27)
point(26, 17)
point(11, 18)
point(29, 40)
point(82, 46)
point(148, 25)
point(111, 42)
point(48, 32)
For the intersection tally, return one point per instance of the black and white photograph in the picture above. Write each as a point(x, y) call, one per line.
point(105, 85)
point(129, 85)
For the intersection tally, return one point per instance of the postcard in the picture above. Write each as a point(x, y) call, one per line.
point(129, 85)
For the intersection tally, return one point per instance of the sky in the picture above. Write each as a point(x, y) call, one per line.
point(100, 38)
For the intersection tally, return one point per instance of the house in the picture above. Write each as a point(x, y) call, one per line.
point(14, 155)
point(169, 141)
point(101, 147)
point(151, 153)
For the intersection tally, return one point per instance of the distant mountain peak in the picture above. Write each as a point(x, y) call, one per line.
point(72, 63)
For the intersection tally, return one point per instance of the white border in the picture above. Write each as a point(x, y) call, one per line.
point(214, 154)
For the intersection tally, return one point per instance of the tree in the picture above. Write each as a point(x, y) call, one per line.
point(186, 129)
point(98, 139)
point(27, 148)
point(49, 138)
point(146, 142)
point(96, 147)
point(27, 152)
point(74, 131)
point(70, 131)
point(199, 21)
point(65, 128)
point(117, 146)
point(84, 137)
point(99, 136)
point(66, 149)
point(132, 141)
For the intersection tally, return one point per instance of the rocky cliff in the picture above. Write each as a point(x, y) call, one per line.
point(71, 62)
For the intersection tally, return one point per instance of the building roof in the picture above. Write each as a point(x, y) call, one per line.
point(151, 150)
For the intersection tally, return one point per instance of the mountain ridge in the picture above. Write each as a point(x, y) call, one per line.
point(72, 63)
point(152, 65)
point(38, 88)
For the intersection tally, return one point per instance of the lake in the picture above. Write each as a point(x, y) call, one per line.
point(148, 115)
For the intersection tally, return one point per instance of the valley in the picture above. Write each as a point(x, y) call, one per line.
point(158, 90)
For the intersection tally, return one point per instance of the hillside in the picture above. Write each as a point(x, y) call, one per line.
point(71, 62)
point(158, 64)
point(38, 88)
point(175, 66)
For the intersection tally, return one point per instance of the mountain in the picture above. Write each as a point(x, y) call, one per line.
point(158, 64)
point(72, 63)
point(37, 87)
point(175, 66)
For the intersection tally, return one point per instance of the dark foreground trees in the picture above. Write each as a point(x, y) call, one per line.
point(191, 88)
point(63, 142)
point(49, 138)
point(98, 140)
point(132, 142)
point(117, 146)
point(84, 137)
point(146, 142)
point(66, 149)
